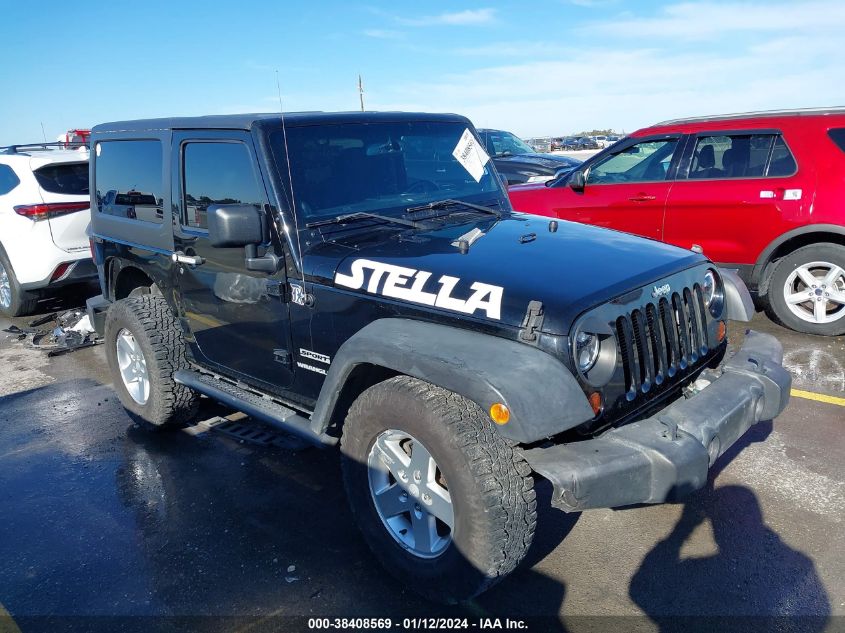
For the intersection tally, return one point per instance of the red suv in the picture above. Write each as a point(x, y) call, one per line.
point(763, 193)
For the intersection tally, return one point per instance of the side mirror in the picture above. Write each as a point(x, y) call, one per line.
point(577, 181)
point(233, 225)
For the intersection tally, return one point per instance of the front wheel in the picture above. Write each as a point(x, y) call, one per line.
point(807, 290)
point(445, 503)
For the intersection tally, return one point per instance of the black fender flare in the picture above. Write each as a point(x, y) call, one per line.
point(738, 303)
point(765, 257)
point(543, 396)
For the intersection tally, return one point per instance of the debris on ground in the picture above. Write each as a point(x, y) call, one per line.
point(58, 333)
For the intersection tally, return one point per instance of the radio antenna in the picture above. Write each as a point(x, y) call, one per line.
point(290, 182)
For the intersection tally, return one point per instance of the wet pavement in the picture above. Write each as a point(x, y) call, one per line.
point(98, 518)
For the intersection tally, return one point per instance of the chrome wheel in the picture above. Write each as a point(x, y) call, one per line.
point(5, 288)
point(133, 367)
point(815, 292)
point(410, 494)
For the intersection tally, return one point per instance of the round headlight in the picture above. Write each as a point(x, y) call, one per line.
point(711, 291)
point(586, 350)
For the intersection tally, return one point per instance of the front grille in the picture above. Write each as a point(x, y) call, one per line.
point(661, 339)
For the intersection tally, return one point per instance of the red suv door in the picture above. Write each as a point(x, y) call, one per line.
point(732, 191)
point(626, 190)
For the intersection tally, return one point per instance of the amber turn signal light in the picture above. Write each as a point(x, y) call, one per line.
point(595, 402)
point(500, 413)
point(723, 331)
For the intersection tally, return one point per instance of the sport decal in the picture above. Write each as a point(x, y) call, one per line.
point(417, 286)
point(320, 358)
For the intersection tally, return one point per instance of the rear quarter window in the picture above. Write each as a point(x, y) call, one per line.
point(781, 163)
point(837, 135)
point(128, 177)
point(65, 178)
point(8, 179)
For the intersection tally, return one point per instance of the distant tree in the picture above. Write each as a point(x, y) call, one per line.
point(596, 133)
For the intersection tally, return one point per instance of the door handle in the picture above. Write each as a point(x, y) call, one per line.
point(642, 198)
point(190, 260)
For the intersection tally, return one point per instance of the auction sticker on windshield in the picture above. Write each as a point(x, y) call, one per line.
point(471, 155)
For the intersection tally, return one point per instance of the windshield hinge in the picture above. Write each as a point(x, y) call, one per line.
point(532, 322)
point(282, 356)
point(275, 288)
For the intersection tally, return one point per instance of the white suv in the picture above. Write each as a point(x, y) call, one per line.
point(44, 216)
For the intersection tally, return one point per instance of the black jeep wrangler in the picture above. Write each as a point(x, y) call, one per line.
point(361, 279)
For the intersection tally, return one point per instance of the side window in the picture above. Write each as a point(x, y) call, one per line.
point(782, 163)
point(8, 179)
point(644, 162)
point(741, 156)
point(128, 179)
point(837, 135)
point(217, 173)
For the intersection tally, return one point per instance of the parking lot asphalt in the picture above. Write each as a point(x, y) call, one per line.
point(99, 518)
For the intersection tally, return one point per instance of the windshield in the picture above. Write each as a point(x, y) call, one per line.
point(378, 167)
point(499, 143)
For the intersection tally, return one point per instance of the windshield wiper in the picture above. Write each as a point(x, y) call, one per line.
point(448, 202)
point(361, 215)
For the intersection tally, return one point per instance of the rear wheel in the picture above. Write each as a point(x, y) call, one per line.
point(144, 347)
point(14, 301)
point(807, 290)
point(444, 502)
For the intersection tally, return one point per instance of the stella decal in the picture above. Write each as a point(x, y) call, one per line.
point(416, 286)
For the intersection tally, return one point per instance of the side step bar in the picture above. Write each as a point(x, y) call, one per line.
point(254, 405)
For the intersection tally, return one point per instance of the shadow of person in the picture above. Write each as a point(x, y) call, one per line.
point(754, 581)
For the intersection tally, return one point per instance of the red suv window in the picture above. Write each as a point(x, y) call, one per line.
point(741, 156)
point(837, 135)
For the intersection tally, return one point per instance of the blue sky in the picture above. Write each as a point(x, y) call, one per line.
point(540, 68)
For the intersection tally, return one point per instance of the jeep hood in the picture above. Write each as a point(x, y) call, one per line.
point(512, 261)
point(550, 162)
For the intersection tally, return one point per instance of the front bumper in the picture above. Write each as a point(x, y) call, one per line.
point(666, 456)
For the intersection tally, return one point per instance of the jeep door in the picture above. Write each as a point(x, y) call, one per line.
point(732, 193)
point(625, 190)
point(237, 318)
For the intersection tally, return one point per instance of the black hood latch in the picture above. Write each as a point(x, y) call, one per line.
point(532, 322)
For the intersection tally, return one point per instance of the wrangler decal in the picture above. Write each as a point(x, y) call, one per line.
point(416, 286)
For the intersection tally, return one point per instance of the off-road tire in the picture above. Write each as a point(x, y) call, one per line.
point(159, 336)
point(22, 302)
point(776, 306)
point(491, 486)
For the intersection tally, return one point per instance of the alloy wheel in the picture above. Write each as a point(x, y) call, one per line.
point(5, 288)
point(410, 494)
point(815, 292)
point(133, 367)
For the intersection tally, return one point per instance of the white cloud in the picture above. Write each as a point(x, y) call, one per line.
point(384, 34)
point(592, 4)
point(468, 17)
point(627, 89)
point(705, 20)
point(692, 58)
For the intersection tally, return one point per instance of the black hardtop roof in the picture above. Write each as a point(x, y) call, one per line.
point(247, 121)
